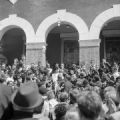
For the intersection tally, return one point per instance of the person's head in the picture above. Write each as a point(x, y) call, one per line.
point(114, 68)
point(73, 66)
point(90, 105)
point(56, 71)
point(82, 75)
point(48, 65)
point(50, 95)
point(103, 60)
point(39, 63)
point(3, 66)
point(15, 60)
point(97, 89)
point(74, 95)
point(26, 98)
point(108, 89)
point(63, 97)
point(83, 67)
point(60, 76)
point(56, 66)
point(72, 115)
point(32, 65)
point(43, 90)
point(62, 66)
point(96, 78)
point(2, 78)
point(60, 110)
point(111, 95)
point(71, 72)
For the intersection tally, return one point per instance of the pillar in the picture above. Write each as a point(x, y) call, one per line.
point(89, 51)
point(43, 60)
point(35, 52)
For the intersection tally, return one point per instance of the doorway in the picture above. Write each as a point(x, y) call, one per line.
point(110, 42)
point(13, 44)
point(62, 45)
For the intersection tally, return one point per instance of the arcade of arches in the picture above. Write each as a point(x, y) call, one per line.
point(63, 47)
point(13, 44)
point(64, 43)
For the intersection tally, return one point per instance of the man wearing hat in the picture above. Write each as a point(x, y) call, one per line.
point(5, 94)
point(25, 100)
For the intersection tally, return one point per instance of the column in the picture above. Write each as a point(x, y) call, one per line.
point(89, 51)
point(34, 53)
point(43, 61)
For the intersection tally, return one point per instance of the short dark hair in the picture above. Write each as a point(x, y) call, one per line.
point(63, 97)
point(60, 110)
point(90, 104)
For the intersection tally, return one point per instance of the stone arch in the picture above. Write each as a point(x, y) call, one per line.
point(63, 16)
point(101, 19)
point(14, 21)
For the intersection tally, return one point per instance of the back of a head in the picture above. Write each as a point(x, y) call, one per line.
point(109, 89)
point(50, 95)
point(72, 115)
point(90, 105)
point(60, 110)
point(74, 95)
point(63, 97)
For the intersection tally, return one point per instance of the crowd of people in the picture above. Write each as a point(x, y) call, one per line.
point(76, 92)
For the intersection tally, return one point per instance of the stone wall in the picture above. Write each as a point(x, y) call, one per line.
point(89, 51)
point(34, 53)
point(35, 11)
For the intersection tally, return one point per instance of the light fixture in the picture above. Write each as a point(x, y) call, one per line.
point(59, 22)
point(67, 26)
point(13, 1)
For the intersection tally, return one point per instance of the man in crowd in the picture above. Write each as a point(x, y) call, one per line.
point(89, 105)
point(5, 95)
point(25, 101)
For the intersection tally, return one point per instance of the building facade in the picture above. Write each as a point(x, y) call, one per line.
point(60, 31)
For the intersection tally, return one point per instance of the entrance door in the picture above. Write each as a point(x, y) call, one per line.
point(110, 41)
point(113, 49)
point(53, 52)
point(13, 44)
point(71, 52)
point(62, 45)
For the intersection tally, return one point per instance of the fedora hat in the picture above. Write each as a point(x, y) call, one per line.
point(26, 97)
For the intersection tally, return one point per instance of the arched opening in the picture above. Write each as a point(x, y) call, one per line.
point(110, 41)
point(13, 44)
point(62, 45)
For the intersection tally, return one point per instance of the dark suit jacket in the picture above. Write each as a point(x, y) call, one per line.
point(19, 115)
point(5, 95)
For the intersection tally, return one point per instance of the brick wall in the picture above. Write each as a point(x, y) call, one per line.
point(35, 11)
point(34, 53)
point(33, 56)
point(89, 51)
point(88, 54)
